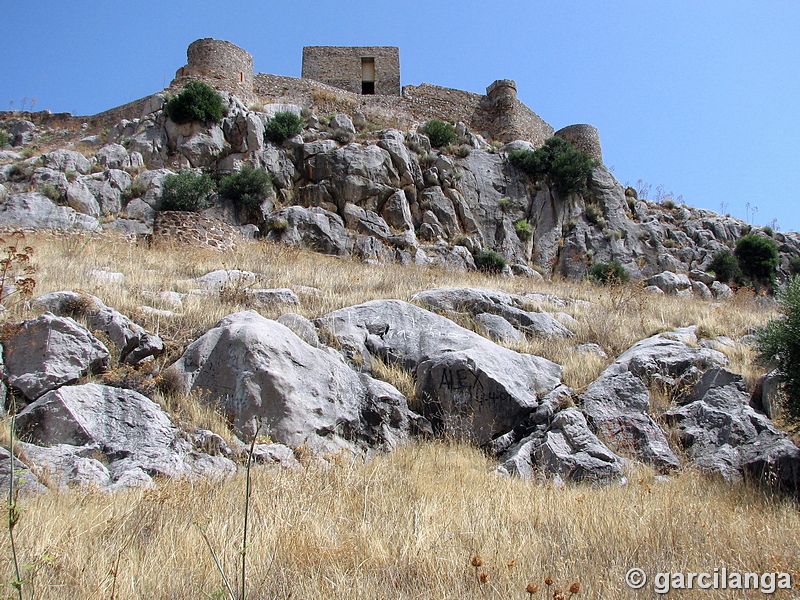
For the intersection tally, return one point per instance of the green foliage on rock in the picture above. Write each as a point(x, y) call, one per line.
point(725, 267)
point(758, 258)
point(439, 133)
point(524, 229)
point(489, 261)
point(612, 273)
point(248, 188)
point(283, 126)
point(778, 343)
point(3, 137)
point(187, 191)
point(568, 168)
point(197, 102)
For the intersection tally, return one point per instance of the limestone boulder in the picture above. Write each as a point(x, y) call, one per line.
point(498, 329)
point(47, 352)
point(24, 479)
point(618, 407)
point(81, 199)
point(314, 228)
point(66, 160)
point(266, 379)
point(32, 210)
point(469, 383)
point(132, 341)
point(670, 283)
point(111, 437)
point(724, 435)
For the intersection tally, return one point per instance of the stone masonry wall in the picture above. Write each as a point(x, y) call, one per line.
point(221, 64)
point(341, 67)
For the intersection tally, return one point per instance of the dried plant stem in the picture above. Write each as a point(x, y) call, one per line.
point(13, 514)
point(231, 595)
point(247, 511)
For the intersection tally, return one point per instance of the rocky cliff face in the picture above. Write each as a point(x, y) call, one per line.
point(375, 195)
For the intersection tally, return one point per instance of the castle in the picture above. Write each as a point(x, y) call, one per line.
point(361, 81)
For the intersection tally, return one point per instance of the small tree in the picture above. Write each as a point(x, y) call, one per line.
point(489, 261)
point(568, 167)
point(439, 133)
point(524, 229)
point(612, 273)
point(726, 267)
point(283, 126)
point(249, 187)
point(758, 258)
point(197, 102)
point(187, 191)
point(779, 343)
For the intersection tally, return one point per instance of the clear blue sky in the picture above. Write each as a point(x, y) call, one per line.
point(700, 97)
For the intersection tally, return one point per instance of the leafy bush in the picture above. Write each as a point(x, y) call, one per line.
point(249, 187)
point(187, 191)
point(593, 213)
point(3, 137)
point(283, 126)
point(439, 133)
point(758, 258)
point(612, 273)
point(524, 229)
point(567, 167)
point(197, 102)
point(779, 343)
point(794, 265)
point(726, 267)
point(489, 261)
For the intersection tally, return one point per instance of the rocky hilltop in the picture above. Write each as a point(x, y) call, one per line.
point(381, 195)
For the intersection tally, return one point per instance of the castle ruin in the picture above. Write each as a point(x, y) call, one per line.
point(361, 81)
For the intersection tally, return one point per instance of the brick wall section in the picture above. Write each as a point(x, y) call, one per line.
point(341, 67)
point(195, 229)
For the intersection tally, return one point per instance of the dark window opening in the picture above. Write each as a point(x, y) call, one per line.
point(368, 75)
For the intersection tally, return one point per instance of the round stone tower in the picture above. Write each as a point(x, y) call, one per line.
point(583, 137)
point(220, 64)
point(502, 97)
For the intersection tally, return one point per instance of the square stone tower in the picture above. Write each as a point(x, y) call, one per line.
point(359, 69)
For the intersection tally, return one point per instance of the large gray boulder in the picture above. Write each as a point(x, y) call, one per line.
point(469, 384)
point(32, 210)
point(618, 407)
point(671, 283)
point(132, 341)
point(315, 228)
point(266, 379)
point(724, 435)
point(618, 402)
point(48, 352)
point(66, 160)
point(508, 306)
point(96, 434)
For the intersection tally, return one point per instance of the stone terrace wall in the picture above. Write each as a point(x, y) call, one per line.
point(195, 229)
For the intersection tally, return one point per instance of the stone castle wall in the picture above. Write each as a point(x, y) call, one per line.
point(341, 67)
point(221, 64)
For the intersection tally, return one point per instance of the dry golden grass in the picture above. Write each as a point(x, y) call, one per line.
point(403, 525)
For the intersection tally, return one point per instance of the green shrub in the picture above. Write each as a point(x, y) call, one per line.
point(463, 151)
point(3, 137)
point(568, 168)
point(779, 343)
point(758, 258)
point(769, 231)
point(249, 187)
point(187, 191)
point(283, 126)
point(439, 133)
point(197, 102)
point(524, 229)
point(504, 202)
point(612, 273)
point(54, 193)
point(726, 267)
point(794, 265)
point(489, 261)
point(593, 213)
